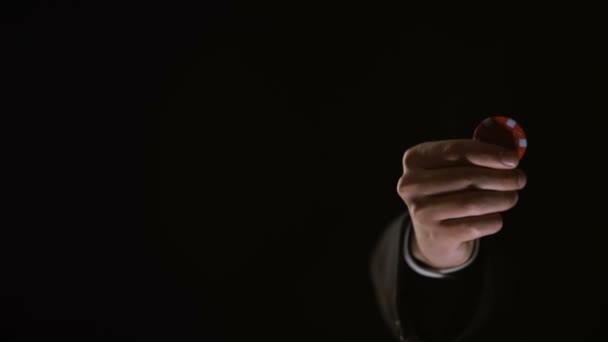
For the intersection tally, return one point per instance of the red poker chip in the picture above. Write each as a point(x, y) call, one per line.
point(502, 131)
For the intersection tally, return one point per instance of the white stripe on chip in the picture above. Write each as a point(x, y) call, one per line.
point(523, 143)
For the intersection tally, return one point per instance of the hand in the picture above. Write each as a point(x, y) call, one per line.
point(455, 191)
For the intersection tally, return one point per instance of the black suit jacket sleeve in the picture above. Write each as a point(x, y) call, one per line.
point(468, 306)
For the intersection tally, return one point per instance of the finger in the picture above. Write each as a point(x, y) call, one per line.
point(463, 204)
point(445, 153)
point(432, 182)
point(472, 227)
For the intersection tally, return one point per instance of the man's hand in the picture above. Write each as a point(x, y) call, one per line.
point(455, 191)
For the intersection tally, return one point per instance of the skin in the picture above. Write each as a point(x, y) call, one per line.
point(455, 191)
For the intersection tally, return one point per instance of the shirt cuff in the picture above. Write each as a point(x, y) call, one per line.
point(426, 270)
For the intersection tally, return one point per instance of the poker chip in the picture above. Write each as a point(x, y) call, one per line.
point(502, 131)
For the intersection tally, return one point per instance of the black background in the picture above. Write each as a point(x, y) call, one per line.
point(221, 171)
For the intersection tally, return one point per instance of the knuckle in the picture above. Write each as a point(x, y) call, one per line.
point(409, 158)
point(407, 187)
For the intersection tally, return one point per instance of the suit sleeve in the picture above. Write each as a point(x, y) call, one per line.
point(462, 307)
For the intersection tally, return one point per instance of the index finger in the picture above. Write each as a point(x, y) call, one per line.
point(459, 152)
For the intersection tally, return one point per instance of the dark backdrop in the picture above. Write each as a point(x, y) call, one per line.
point(221, 171)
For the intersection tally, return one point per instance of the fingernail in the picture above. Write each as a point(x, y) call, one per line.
point(509, 159)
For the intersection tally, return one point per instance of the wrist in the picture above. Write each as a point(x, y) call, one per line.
point(420, 264)
point(455, 258)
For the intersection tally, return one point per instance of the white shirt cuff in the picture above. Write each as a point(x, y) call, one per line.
point(428, 271)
